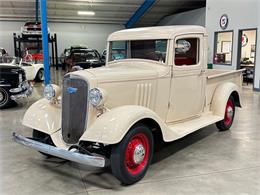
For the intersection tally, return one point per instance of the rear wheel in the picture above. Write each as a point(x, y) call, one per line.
point(226, 123)
point(43, 138)
point(5, 99)
point(131, 158)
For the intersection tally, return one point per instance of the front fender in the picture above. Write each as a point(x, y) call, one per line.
point(221, 95)
point(111, 127)
point(43, 116)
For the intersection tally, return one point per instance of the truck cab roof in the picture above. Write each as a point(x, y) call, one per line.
point(158, 32)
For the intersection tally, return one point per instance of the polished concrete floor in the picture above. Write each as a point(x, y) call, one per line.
point(205, 162)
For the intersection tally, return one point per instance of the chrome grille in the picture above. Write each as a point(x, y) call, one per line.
point(74, 108)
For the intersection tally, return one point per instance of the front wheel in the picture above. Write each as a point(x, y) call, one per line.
point(226, 123)
point(5, 99)
point(131, 158)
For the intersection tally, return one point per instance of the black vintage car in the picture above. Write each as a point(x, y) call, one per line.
point(85, 58)
point(67, 51)
point(13, 85)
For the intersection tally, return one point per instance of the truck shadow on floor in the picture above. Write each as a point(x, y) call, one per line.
point(103, 178)
point(164, 150)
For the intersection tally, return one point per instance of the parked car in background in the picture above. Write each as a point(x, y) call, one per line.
point(32, 28)
point(33, 71)
point(4, 56)
point(114, 115)
point(64, 55)
point(3, 52)
point(104, 55)
point(13, 84)
point(84, 58)
point(66, 52)
point(32, 55)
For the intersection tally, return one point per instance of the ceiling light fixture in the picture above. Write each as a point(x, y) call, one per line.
point(86, 13)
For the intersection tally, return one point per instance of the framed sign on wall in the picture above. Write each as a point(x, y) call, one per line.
point(223, 22)
point(244, 40)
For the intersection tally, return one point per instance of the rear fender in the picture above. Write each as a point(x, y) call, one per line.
point(43, 116)
point(37, 67)
point(221, 96)
point(111, 127)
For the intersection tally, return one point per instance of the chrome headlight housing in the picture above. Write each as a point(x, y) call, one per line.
point(96, 97)
point(49, 92)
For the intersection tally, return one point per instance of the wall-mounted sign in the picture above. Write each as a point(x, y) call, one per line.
point(223, 22)
point(244, 40)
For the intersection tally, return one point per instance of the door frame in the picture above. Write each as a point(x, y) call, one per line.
point(188, 71)
point(239, 49)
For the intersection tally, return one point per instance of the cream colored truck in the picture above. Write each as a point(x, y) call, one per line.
point(155, 80)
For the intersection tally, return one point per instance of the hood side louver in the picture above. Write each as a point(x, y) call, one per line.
point(143, 94)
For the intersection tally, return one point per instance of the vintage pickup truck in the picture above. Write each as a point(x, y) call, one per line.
point(112, 115)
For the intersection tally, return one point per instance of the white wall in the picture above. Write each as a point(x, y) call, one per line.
point(257, 68)
point(92, 35)
point(194, 17)
point(242, 15)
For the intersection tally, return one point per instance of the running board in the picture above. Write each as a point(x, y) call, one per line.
point(182, 129)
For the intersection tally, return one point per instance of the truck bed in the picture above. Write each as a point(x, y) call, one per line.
point(216, 77)
point(214, 73)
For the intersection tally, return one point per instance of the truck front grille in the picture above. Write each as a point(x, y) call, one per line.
point(74, 108)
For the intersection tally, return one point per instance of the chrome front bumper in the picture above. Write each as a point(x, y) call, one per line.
point(96, 161)
point(23, 91)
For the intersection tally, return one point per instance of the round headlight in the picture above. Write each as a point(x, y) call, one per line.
point(49, 92)
point(95, 97)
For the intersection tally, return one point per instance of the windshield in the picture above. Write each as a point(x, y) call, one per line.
point(138, 49)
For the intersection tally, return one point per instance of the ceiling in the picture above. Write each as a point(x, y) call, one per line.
point(106, 11)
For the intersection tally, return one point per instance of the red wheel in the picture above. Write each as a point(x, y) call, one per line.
point(226, 123)
point(131, 158)
point(137, 153)
point(229, 113)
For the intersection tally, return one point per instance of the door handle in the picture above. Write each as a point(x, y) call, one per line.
point(202, 72)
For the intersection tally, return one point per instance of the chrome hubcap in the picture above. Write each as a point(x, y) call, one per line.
point(230, 112)
point(1, 96)
point(139, 153)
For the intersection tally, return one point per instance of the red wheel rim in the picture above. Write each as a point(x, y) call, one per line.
point(229, 113)
point(137, 153)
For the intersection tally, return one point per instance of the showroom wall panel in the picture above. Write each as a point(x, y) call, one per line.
point(257, 68)
point(194, 17)
point(92, 35)
point(242, 15)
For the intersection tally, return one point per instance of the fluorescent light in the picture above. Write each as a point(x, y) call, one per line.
point(89, 13)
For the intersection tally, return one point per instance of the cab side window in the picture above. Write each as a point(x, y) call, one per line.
point(187, 52)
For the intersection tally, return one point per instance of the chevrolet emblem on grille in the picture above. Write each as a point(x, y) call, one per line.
point(72, 90)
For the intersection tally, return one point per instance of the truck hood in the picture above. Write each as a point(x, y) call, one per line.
point(128, 70)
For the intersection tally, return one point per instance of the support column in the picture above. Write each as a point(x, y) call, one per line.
point(45, 42)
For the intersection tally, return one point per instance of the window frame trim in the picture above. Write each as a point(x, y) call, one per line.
point(168, 45)
point(199, 36)
point(215, 47)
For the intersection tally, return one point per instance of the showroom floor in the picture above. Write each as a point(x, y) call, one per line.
point(205, 162)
